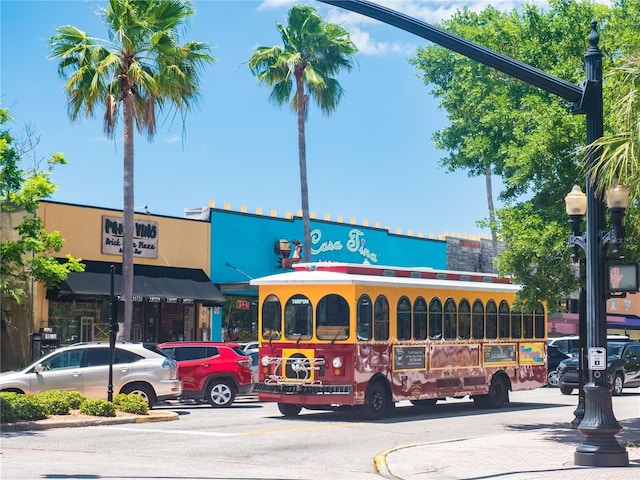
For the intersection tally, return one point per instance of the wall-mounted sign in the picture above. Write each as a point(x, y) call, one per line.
point(502, 354)
point(355, 243)
point(145, 237)
point(408, 358)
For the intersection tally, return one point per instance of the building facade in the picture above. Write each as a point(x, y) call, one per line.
point(173, 293)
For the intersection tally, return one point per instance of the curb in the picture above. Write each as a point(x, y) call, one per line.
point(151, 417)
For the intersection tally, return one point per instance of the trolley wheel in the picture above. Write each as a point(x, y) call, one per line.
point(618, 384)
point(376, 402)
point(565, 390)
point(289, 410)
point(220, 393)
point(498, 395)
point(426, 403)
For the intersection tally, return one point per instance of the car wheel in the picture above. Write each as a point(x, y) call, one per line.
point(618, 383)
point(289, 410)
point(220, 393)
point(565, 390)
point(376, 402)
point(144, 391)
point(553, 377)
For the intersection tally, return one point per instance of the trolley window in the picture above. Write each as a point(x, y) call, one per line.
point(504, 320)
point(420, 319)
point(298, 314)
point(365, 313)
point(435, 319)
point(271, 318)
point(492, 320)
point(477, 320)
point(332, 318)
point(464, 319)
point(403, 319)
point(450, 314)
point(381, 318)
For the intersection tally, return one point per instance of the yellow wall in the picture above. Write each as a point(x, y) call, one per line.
point(182, 242)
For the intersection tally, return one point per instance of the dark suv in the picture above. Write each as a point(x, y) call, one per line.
point(623, 368)
point(211, 371)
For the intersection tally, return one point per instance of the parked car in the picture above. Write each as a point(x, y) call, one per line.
point(253, 355)
point(554, 357)
point(623, 368)
point(214, 372)
point(249, 346)
point(570, 344)
point(138, 368)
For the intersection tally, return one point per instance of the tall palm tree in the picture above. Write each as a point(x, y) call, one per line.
point(142, 67)
point(313, 51)
point(620, 151)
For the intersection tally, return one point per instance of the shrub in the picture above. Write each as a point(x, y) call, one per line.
point(74, 398)
point(98, 408)
point(56, 402)
point(131, 403)
point(7, 413)
point(28, 407)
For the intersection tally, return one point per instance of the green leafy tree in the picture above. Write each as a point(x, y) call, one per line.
point(142, 68)
point(523, 134)
point(27, 250)
point(313, 52)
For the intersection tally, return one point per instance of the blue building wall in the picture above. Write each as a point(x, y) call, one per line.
point(242, 245)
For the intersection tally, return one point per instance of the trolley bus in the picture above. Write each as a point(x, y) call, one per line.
point(338, 334)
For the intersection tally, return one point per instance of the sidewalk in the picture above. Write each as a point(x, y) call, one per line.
point(540, 454)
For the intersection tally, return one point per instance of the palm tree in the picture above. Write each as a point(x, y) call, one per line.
point(620, 152)
point(313, 52)
point(142, 67)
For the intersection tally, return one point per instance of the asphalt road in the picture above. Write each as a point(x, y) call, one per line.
point(251, 440)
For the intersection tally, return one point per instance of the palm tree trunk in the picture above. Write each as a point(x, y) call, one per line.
point(128, 221)
point(492, 212)
point(302, 158)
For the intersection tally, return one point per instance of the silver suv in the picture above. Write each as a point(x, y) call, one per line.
point(137, 368)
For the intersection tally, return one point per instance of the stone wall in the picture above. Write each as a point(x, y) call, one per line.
point(471, 255)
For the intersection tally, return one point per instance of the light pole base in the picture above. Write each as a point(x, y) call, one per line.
point(600, 447)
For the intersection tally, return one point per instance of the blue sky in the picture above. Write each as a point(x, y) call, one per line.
point(371, 160)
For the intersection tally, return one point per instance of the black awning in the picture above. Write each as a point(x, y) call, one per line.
point(150, 282)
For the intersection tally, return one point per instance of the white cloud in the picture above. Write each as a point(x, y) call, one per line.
point(363, 29)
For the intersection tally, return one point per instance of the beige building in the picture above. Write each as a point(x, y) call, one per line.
point(172, 288)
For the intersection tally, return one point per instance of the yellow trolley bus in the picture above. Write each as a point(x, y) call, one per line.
point(337, 334)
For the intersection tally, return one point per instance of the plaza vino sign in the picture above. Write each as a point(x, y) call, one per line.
point(145, 237)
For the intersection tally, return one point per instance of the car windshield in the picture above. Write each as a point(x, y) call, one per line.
point(614, 349)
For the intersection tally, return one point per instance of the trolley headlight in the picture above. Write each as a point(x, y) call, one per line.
point(265, 361)
point(337, 362)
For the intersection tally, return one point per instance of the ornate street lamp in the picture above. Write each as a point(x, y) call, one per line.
point(596, 419)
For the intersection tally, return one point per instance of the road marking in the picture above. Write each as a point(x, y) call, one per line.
point(300, 429)
point(180, 432)
point(226, 434)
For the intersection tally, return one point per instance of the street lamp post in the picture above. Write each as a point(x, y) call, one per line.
point(599, 425)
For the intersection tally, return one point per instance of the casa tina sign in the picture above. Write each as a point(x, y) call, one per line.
point(355, 244)
point(145, 237)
